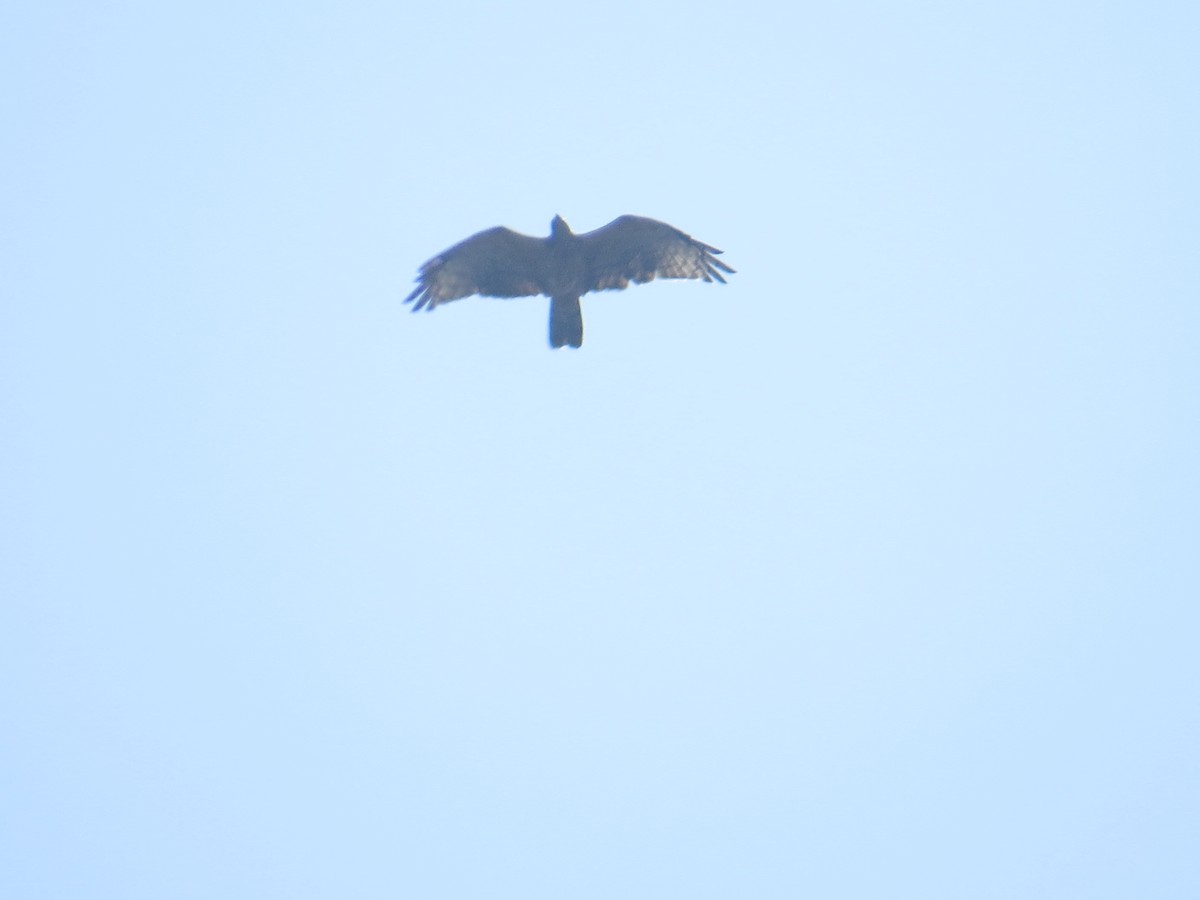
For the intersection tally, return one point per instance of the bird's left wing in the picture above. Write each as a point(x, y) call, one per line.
point(498, 262)
point(637, 249)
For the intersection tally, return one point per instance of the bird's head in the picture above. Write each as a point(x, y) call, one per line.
point(559, 227)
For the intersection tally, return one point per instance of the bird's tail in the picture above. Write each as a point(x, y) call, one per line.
point(566, 322)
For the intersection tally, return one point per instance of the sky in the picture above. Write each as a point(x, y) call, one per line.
point(872, 573)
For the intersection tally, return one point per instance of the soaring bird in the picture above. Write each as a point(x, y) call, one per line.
point(500, 262)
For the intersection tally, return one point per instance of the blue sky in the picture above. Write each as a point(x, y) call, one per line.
point(872, 573)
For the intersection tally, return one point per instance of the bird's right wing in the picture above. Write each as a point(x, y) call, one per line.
point(498, 262)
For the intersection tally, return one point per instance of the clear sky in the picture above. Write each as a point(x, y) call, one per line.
point(873, 573)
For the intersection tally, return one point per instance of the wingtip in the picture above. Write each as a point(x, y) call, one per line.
point(421, 297)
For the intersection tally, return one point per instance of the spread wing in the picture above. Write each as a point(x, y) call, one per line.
point(498, 262)
point(633, 248)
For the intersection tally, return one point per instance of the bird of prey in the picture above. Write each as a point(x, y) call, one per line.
point(500, 262)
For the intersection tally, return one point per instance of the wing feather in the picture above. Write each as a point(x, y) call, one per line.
point(498, 262)
point(637, 249)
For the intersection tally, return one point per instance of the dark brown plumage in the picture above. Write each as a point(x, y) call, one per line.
point(500, 262)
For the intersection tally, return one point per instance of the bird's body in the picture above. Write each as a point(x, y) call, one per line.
point(500, 262)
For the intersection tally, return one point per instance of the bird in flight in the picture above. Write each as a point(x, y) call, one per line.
point(500, 262)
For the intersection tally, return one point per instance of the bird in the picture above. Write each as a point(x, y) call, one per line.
point(500, 262)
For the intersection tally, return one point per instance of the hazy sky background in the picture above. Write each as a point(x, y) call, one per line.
point(873, 573)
